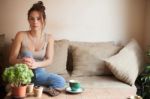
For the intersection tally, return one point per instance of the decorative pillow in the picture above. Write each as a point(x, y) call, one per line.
point(88, 60)
point(127, 63)
point(60, 57)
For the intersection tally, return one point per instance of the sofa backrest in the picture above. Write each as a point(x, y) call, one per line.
point(3, 56)
point(60, 57)
point(65, 52)
point(86, 58)
point(79, 58)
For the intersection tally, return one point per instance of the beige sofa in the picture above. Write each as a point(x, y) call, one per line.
point(102, 66)
point(105, 70)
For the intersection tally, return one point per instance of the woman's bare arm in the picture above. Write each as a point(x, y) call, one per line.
point(15, 48)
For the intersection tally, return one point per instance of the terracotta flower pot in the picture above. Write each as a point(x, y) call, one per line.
point(19, 92)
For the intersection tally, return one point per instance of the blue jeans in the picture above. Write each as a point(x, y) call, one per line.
point(44, 78)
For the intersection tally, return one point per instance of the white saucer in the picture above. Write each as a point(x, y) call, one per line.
point(68, 89)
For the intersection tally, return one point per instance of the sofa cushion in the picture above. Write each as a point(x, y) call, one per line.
point(107, 81)
point(127, 63)
point(106, 87)
point(88, 58)
point(60, 57)
point(115, 90)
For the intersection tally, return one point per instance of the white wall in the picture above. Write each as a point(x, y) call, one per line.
point(79, 20)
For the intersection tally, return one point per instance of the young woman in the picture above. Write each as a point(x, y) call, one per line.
point(36, 48)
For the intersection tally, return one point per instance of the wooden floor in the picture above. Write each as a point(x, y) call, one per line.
point(102, 93)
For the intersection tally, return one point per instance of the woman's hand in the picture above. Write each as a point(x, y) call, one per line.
point(32, 64)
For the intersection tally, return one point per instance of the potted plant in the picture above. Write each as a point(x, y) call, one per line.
point(18, 76)
point(145, 80)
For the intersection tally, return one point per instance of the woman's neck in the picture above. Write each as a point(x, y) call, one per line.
point(35, 33)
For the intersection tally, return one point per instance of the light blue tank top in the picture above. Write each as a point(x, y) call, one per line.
point(37, 55)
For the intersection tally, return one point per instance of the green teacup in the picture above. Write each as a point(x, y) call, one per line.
point(74, 85)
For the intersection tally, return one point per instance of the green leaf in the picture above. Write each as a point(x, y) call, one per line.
point(18, 74)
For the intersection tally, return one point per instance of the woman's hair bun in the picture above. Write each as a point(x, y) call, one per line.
point(39, 5)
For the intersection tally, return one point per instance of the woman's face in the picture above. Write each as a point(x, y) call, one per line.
point(35, 20)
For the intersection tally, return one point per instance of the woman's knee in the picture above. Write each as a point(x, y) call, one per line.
point(57, 81)
point(62, 80)
point(61, 84)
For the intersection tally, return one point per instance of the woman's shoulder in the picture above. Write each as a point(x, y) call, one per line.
point(21, 34)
